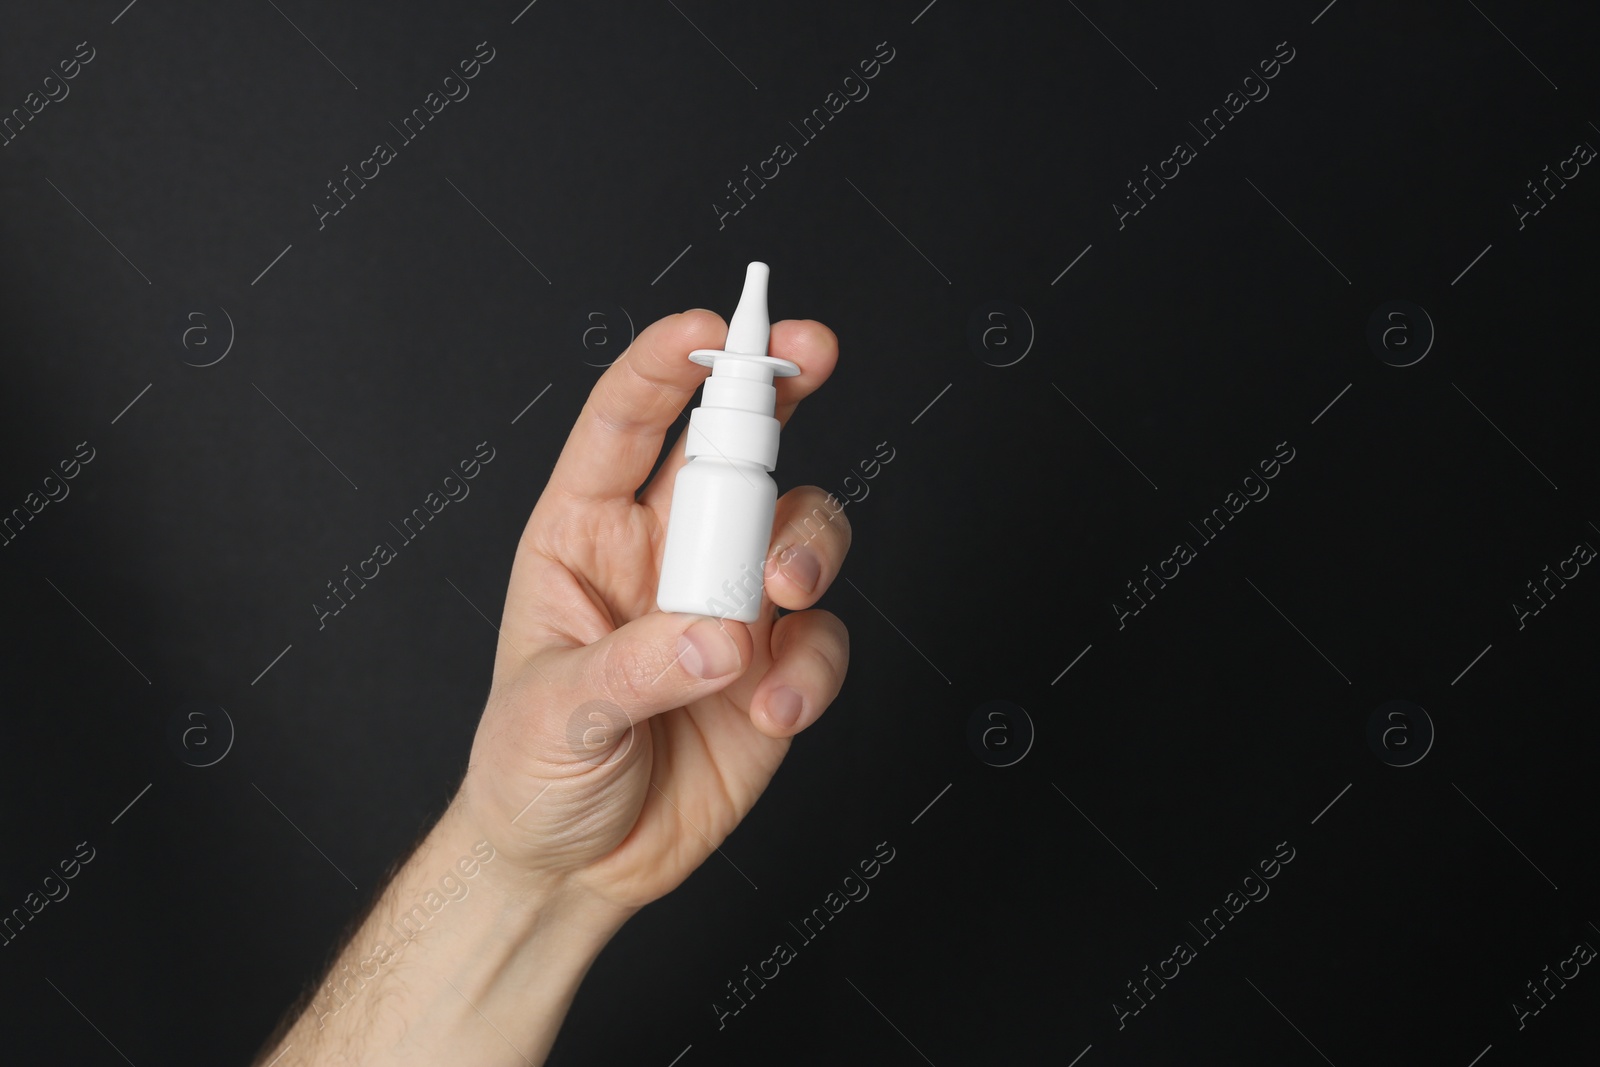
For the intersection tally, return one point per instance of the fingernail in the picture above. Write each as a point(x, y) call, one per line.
point(707, 651)
point(802, 566)
point(783, 707)
point(775, 561)
point(687, 310)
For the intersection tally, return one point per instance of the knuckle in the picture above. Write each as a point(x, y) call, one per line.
point(595, 729)
point(835, 647)
point(841, 524)
point(624, 675)
point(818, 636)
point(821, 514)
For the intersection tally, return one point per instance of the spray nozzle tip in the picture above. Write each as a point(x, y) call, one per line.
point(749, 330)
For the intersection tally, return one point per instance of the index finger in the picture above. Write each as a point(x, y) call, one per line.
point(617, 438)
point(814, 348)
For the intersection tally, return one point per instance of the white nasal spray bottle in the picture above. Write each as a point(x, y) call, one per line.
point(722, 502)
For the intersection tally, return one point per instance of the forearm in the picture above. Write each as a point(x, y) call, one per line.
point(463, 959)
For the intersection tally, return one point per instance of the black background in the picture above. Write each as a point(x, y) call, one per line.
point(1225, 718)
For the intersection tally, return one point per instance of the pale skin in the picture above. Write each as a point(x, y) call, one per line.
point(611, 758)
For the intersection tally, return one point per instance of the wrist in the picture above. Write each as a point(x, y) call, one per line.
point(527, 901)
point(465, 953)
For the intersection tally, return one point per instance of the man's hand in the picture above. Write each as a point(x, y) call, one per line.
point(621, 744)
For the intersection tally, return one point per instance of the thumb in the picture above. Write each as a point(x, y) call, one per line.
point(659, 661)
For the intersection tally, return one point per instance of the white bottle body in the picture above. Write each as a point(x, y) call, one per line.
point(718, 532)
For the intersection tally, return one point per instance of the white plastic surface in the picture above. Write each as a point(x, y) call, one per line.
point(717, 537)
point(720, 522)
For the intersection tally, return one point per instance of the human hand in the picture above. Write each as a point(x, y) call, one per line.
point(620, 744)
